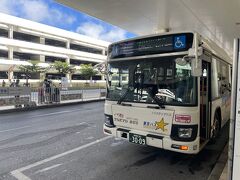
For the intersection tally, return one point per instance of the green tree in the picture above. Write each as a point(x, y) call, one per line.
point(87, 71)
point(63, 67)
point(33, 67)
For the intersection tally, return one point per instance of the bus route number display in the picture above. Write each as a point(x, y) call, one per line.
point(151, 45)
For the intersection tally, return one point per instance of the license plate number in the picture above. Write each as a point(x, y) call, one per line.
point(137, 139)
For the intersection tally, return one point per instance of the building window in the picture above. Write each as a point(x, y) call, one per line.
point(3, 54)
point(3, 33)
point(25, 56)
point(22, 75)
point(80, 77)
point(3, 75)
point(76, 62)
point(77, 77)
point(52, 59)
point(26, 37)
point(97, 77)
point(85, 49)
point(79, 62)
point(55, 43)
point(55, 76)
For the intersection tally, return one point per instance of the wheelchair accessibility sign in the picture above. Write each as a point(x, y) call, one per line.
point(179, 42)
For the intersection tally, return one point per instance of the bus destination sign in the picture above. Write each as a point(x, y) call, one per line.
point(151, 45)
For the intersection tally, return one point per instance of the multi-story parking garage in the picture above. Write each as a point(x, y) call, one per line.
point(23, 40)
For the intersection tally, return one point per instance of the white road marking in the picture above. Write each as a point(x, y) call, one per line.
point(20, 176)
point(54, 113)
point(23, 127)
point(48, 168)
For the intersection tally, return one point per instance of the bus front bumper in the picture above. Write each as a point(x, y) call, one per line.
point(159, 141)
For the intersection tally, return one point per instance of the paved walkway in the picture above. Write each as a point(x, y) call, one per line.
point(224, 173)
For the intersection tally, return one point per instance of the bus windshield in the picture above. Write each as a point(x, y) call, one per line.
point(152, 80)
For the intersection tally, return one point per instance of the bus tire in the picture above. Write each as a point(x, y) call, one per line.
point(216, 126)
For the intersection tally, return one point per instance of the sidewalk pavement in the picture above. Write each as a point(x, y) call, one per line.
point(219, 171)
point(224, 174)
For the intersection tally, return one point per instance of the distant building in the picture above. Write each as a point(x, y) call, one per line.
point(22, 40)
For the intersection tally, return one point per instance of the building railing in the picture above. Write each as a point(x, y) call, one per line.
point(26, 97)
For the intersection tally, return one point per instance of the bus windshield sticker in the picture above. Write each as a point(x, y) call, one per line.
point(156, 125)
point(161, 125)
point(183, 118)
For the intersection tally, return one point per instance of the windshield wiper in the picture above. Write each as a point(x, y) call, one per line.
point(124, 95)
point(159, 102)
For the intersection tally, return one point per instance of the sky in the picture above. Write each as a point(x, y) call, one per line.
point(57, 15)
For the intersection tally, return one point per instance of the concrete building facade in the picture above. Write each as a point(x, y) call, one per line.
point(22, 40)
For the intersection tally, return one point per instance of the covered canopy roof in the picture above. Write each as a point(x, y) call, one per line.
point(218, 20)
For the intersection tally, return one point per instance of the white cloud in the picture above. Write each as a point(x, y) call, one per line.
point(70, 19)
point(99, 32)
point(36, 10)
point(90, 29)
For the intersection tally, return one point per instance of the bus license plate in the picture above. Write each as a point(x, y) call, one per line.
point(137, 139)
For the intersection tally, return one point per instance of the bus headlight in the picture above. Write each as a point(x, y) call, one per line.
point(185, 132)
point(109, 120)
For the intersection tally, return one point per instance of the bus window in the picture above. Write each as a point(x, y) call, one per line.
point(214, 79)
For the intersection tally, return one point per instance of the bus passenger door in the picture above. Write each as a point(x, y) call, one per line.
point(205, 89)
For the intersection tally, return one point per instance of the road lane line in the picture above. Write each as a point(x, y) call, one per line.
point(23, 127)
point(20, 176)
point(55, 113)
point(48, 168)
point(63, 154)
point(49, 114)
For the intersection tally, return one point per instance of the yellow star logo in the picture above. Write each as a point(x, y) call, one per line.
point(161, 125)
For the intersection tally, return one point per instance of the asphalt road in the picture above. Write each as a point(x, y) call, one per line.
point(68, 143)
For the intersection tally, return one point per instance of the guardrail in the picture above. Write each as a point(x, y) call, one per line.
point(25, 97)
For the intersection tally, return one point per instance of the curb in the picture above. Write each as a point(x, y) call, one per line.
point(48, 106)
point(219, 166)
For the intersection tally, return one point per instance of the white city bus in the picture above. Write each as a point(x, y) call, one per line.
point(170, 91)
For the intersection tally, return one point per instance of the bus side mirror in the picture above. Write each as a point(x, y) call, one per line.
point(196, 66)
point(196, 61)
